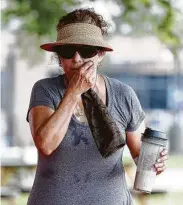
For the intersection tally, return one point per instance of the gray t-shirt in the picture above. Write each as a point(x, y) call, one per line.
point(75, 173)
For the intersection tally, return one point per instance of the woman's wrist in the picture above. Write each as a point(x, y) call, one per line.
point(72, 95)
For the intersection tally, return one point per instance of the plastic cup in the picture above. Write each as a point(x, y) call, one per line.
point(153, 142)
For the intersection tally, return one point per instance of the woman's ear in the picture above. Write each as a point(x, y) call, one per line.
point(101, 55)
point(59, 61)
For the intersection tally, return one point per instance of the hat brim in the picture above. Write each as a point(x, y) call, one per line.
point(77, 41)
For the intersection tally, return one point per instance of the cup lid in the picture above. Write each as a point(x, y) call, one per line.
point(154, 133)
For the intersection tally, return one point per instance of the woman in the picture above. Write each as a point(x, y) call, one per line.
point(70, 168)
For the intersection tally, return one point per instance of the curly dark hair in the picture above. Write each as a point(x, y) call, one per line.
point(84, 16)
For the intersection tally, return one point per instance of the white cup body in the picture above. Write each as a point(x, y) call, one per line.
point(145, 173)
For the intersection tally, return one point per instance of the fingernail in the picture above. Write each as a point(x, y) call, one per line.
point(154, 169)
point(159, 160)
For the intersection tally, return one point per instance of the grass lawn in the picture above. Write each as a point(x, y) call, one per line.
point(175, 161)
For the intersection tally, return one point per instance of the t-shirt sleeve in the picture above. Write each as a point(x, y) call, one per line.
point(136, 114)
point(40, 96)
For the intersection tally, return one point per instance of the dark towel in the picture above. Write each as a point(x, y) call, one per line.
point(104, 129)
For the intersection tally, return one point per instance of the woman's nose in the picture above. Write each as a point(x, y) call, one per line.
point(77, 57)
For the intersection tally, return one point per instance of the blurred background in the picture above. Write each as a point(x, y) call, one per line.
point(148, 55)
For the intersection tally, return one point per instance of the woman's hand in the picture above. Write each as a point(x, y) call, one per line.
point(83, 79)
point(160, 165)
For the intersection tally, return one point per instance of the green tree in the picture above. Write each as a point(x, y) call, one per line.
point(158, 17)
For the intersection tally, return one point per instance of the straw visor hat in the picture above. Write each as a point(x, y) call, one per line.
point(78, 34)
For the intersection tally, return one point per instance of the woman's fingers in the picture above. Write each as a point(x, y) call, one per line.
point(85, 67)
point(84, 78)
point(160, 170)
point(162, 159)
point(88, 73)
point(160, 165)
point(164, 152)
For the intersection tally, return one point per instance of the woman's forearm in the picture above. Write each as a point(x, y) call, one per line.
point(52, 132)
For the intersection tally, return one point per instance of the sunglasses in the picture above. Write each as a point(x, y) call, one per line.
point(68, 51)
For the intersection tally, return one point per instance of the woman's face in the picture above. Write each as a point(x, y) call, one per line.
point(71, 65)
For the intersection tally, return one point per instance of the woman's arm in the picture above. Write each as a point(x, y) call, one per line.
point(48, 128)
point(134, 145)
point(133, 140)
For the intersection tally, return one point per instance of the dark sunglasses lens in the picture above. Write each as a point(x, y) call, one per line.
point(87, 52)
point(66, 52)
point(69, 51)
